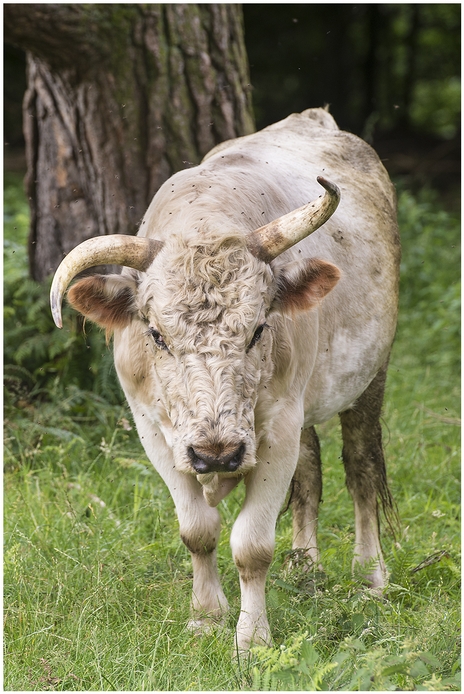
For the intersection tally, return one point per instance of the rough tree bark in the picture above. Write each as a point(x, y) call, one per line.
point(119, 97)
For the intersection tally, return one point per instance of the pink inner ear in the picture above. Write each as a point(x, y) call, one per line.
point(305, 287)
point(109, 309)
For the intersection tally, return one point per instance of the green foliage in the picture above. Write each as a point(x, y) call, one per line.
point(430, 292)
point(436, 106)
point(38, 356)
point(299, 666)
point(424, 46)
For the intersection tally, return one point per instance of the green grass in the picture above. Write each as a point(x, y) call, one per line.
point(97, 582)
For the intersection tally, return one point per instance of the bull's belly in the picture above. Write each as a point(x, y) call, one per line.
point(334, 387)
point(329, 403)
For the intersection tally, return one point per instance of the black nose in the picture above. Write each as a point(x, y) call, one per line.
point(204, 460)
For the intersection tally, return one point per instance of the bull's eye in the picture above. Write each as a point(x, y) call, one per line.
point(257, 335)
point(158, 338)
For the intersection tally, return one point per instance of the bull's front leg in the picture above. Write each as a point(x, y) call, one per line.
point(199, 527)
point(253, 535)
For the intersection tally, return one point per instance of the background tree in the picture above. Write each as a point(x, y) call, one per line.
point(118, 98)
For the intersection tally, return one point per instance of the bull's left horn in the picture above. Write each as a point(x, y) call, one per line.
point(269, 241)
point(117, 249)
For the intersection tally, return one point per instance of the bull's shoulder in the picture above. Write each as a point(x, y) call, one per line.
point(359, 153)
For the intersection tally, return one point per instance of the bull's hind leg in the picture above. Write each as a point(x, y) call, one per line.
point(366, 477)
point(305, 499)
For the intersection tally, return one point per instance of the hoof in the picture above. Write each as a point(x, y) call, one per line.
point(377, 592)
point(373, 574)
point(246, 639)
point(300, 570)
point(302, 560)
point(205, 625)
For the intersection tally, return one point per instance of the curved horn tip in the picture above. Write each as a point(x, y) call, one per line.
point(328, 185)
point(56, 311)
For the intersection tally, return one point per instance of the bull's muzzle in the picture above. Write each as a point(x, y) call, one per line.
point(205, 460)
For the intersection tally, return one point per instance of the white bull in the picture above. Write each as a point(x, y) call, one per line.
point(235, 332)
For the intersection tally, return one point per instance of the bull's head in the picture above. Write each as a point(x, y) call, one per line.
point(191, 325)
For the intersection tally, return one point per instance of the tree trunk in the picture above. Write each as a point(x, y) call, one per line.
point(120, 97)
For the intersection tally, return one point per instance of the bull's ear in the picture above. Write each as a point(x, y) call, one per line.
point(303, 284)
point(108, 300)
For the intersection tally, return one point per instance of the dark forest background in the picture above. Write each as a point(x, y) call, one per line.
point(390, 73)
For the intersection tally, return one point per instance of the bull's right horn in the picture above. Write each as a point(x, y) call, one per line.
point(117, 249)
point(272, 239)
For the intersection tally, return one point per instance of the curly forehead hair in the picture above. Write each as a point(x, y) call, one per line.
point(220, 267)
point(205, 277)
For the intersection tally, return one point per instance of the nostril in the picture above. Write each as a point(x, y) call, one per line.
point(234, 460)
point(205, 460)
point(198, 464)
